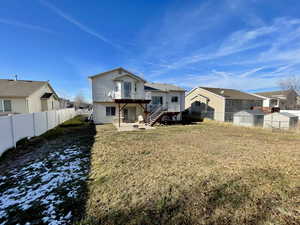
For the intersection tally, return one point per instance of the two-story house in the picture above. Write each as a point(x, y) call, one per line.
point(121, 96)
point(285, 99)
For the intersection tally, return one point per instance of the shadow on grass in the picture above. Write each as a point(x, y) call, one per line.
point(210, 202)
point(50, 148)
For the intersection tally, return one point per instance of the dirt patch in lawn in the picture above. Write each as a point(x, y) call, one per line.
point(43, 181)
point(211, 173)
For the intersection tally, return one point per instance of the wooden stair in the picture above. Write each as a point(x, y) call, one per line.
point(156, 115)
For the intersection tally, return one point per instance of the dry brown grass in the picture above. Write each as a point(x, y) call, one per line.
point(211, 173)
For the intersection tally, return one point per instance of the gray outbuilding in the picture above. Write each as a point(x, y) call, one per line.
point(280, 120)
point(249, 118)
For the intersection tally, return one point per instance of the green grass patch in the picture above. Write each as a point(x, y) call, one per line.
point(76, 121)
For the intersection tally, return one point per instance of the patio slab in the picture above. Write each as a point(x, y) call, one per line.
point(132, 126)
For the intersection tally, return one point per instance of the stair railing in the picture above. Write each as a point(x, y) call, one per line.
point(156, 112)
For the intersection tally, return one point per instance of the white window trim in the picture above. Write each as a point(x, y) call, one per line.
point(110, 114)
point(2, 105)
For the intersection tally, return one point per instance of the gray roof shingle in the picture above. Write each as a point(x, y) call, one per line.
point(232, 93)
point(253, 112)
point(19, 88)
point(273, 93)
point(162, 87)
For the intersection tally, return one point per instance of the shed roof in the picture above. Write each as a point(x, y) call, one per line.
point(231, 93)
point(286, 114)
point(19, 88)
point(162, 87)
point(253, 112)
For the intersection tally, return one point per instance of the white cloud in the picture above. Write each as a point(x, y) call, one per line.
point(25, 25)
point(78, 24)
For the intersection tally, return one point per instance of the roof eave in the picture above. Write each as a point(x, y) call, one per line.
point(113, 70)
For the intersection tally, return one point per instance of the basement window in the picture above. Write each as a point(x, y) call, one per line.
point(110, 111)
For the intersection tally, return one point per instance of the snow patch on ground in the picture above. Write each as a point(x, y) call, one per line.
point(38, 183)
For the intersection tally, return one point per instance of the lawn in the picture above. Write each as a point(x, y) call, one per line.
point(211, 173)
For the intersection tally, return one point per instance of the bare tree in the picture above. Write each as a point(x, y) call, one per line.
point(78, 100)
point(291, 84)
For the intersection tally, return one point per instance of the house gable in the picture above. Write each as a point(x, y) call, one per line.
point(120, 71)
point(104, 85)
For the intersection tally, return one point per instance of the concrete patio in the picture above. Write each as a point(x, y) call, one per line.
point(132, 126)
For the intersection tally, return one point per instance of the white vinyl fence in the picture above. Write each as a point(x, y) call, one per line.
point(16, 127)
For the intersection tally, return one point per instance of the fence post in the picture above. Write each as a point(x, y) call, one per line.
point(47, 120)
point(33, 121)
point(279, 125)
point(12, 131)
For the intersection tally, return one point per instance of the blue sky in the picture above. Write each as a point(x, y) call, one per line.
point(243, 44)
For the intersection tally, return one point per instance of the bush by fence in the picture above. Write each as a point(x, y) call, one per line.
point(16, 127)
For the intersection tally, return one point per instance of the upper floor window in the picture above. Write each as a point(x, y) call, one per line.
point(127, 89)
point(116, 88)
point(157, 100)
point(5, 106)
point(174, 99)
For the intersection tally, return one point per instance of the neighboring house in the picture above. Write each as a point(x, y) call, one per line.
point(25, 96)
point(287, 99)
point(83, 105)
point(121, 96)
point(64, 103)
point(219, 103)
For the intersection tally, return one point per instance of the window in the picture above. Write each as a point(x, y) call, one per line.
point(110, 111)
point(5, 106)
point(116, 88)
point(174, 99)
point(127, 89)
point(157, 100)
point(135, 87)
